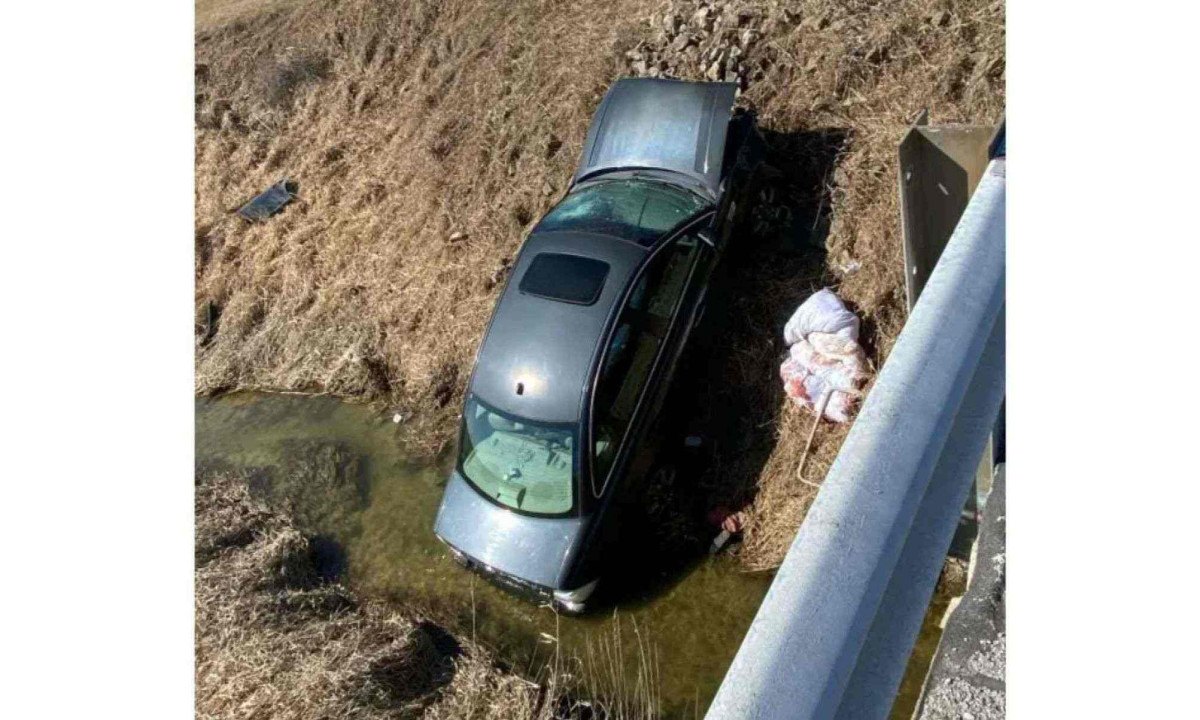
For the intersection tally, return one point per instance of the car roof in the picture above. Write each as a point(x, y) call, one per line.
point(547, 345)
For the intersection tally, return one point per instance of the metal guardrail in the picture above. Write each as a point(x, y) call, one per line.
point(834, 633)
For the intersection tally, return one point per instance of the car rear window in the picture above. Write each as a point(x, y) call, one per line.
point(569, 278)
point(525, 465)
point(639, 210)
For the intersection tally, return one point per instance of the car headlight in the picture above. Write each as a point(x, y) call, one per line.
point(573, 600)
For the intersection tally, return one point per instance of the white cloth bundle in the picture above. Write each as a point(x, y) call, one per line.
point(824, 358)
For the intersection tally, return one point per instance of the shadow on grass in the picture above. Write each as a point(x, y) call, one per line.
point(415, 671)
point(727, 389)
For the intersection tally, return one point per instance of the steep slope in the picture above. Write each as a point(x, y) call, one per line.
point(426, 138)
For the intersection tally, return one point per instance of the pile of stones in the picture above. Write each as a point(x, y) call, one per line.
point(706, 39)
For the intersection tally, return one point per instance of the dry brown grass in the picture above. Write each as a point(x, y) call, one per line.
point(407, 122)
point(431, 118)
point(277, 637)
point(877, 65)
point(851, 74)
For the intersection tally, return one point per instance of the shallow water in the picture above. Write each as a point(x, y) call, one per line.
point(693, 616)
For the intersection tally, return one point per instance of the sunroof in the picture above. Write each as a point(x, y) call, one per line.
point(568, 278)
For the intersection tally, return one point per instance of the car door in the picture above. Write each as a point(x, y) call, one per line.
point(702, 258)
point(641, 354)
point(643, 340)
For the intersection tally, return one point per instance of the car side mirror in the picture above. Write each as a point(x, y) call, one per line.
point(706, 236)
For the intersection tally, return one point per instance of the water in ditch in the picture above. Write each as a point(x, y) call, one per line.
point(692, 615)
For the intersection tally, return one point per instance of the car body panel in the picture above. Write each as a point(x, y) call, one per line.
point(664, 362)
point(535, 549)
point(549, 345)
point(661, 124)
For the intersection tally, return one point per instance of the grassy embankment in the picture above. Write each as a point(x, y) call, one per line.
point(279, 636)
point(427, 137)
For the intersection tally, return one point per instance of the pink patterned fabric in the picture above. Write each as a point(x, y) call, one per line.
point(825, 362)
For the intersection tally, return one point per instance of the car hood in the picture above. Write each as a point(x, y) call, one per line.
point(536, 549)
point(663, 124)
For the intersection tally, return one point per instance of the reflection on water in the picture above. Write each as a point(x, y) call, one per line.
point(376, 517)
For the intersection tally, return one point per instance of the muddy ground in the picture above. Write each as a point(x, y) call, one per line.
point(427, 137)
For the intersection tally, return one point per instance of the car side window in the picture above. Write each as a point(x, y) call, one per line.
point(633, 348)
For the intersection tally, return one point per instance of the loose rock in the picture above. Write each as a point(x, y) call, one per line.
point(709, 40)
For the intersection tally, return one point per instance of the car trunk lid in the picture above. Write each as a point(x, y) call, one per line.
point(664, 124)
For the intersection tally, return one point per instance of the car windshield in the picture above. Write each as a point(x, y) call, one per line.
point(637, 209)
point(528, 466)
